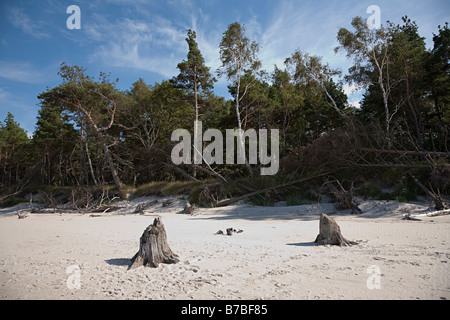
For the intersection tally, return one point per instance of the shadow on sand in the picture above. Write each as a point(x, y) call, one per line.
point(119, 262)
point(303, 244)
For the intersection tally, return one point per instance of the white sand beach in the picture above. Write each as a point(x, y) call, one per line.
point(275, 256)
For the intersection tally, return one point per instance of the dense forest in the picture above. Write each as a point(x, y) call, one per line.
point(90, 134)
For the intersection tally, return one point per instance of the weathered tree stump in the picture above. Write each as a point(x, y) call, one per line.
point(189, 208)
point(140, 208)
point(330, 233)
point(168, 202)
point(153, 248)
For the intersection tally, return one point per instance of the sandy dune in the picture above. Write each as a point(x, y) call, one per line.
point(43, 256)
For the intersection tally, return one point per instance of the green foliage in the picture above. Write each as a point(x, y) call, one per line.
point(237, 53)
point(302, 198)
point(15, 154)
point(403, 191)
point(164, 189)
point(89, 133)
point(262, 200)
point(12, 202)
point(194, 75)
point(54, 139)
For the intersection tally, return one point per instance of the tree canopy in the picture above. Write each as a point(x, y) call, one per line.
point(88, 132)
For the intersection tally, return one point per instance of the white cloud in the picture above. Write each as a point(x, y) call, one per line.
point(22, 21)
point(155, 46)
point(21, 72)
point(310, 26)
point(355, 104)
point(354, 94)
point(350, 89)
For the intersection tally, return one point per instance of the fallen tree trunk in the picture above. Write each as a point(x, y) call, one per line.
point(394, 165)
point(5, 197)
point(209, 172)
point(284, 185)
point(153, 248)
point(182, 172)
point(344, 198)
point(438, 202)
point(330, 233)
point(407, 153)
point(430, 214)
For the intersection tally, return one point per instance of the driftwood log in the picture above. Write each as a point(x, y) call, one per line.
point(330, 233)
point(227, 202)
point(408, 216)
point(153, 248)
point(229, 231)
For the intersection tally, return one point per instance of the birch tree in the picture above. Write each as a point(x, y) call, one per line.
point(369, 49)
point(306, 68)
point(238, 55)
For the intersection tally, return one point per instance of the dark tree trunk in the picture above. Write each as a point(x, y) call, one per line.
point(109, 159)
point(330, 233)
point(153, 248)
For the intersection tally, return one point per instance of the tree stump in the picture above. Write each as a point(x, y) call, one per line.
point(168, 202)
point(140, 208)
point(330, 233)
point(153, 248)
point(189, 208)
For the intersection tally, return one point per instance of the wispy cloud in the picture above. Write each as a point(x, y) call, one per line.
point(3, 95)
point(151, 40)
point(305, 25)
point(154, 46)
point(19, 19)
point(22, 72)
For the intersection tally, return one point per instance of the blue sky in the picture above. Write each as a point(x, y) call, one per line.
point(146, 38)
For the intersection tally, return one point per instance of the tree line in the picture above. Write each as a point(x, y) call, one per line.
point(90, 133)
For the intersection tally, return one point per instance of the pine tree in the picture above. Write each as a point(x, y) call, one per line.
point(13, 151)
point(438, 79)
point(54, 139)
point(93, 104)
point(196, 79)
